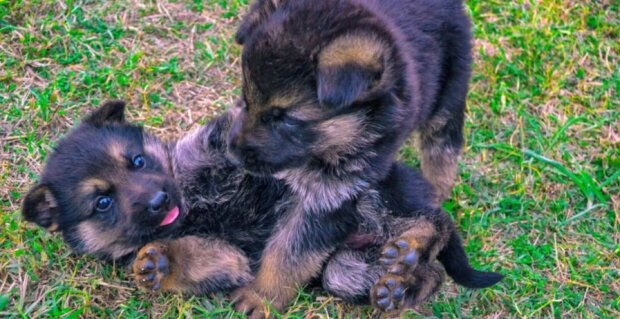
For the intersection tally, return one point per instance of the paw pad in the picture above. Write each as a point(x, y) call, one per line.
point(151, 267)
point(399, 257)
point(388, 293)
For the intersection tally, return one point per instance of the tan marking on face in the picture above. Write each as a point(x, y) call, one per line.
point(93, 185)
point(306, 112)
point(117, 150)
point(97, 240)
point(341, 130)
point(341, 136)
point(362, 49)
point(285, 101)
point(155, 149)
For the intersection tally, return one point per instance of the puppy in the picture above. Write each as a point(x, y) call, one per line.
point(331, 90)
point(189, 220)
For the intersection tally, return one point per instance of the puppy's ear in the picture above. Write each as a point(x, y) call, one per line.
point(40, 207)
point(350, 68)
point(109, 112)
point(260, 10)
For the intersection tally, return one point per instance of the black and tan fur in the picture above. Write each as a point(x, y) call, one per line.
point(331, 90)
point(227, 217)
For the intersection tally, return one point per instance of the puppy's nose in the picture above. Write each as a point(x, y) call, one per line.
point(158, 201)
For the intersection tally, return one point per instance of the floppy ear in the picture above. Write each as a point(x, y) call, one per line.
point(40, 207)
point(260, 10)
point(350, 68)
point(109, 112)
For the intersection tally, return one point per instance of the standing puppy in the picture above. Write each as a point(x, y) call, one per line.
point(331, 90)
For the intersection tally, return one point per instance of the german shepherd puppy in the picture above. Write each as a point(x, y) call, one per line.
point(331, 90)
point(191, 221)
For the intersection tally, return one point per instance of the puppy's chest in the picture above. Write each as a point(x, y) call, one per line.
point(212, 189)
point(233, 206)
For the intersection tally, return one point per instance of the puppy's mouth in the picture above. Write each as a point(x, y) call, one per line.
point(171, 217)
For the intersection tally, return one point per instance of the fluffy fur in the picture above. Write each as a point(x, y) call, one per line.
point(228, 218)
point(331, 89)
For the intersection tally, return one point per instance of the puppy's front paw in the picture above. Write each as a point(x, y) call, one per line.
point(151, 267)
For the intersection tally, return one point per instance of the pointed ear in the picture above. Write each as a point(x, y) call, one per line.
point(260, 10)
point(350, 68)
point(40, 207)
point(109, 112)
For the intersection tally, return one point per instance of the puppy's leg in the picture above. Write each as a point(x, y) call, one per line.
point(411, 276)
point(441, 138)
point(191, 265)
point(350, 277)
point(294, 255)
point(439, 160)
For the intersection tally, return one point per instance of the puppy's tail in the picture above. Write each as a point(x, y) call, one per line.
point(455, 261)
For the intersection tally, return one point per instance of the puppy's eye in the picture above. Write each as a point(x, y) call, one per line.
point(289, 122)
point(274, 115)
point(103, 203)
point(138, 161)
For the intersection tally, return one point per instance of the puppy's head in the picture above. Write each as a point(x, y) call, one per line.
point(315, 82)
point(107, 187)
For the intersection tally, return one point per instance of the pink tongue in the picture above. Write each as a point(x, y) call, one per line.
point(171, 217)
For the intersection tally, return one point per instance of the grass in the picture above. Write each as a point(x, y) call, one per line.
point(539, 190)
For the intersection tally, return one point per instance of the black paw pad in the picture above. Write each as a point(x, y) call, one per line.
point(148, 278)
point(147, 267)
point(402, 244)
point(388, 293)
point(162, 264)
point(390, 252)
point(411, 258)
point(399, 257)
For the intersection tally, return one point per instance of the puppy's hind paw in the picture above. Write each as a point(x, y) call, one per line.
point(387, 294)
point(400, 256)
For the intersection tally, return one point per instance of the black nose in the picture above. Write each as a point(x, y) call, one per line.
point(158, 201)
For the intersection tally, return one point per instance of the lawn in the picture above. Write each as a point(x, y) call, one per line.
point(538, 197)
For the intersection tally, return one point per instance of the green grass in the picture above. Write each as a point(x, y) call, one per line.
point(539, 192)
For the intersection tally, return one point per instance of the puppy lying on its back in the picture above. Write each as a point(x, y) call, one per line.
point(193, 222)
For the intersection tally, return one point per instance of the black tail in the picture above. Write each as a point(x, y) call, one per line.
point(454, 260)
